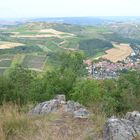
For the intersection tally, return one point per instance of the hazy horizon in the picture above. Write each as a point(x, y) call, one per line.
point(73, 8)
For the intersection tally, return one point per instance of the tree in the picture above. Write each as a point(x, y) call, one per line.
point(87, 92)
point(21, 80)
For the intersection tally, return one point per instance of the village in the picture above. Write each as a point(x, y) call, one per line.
point(104, 68)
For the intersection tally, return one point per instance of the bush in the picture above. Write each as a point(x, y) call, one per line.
point(87, 92)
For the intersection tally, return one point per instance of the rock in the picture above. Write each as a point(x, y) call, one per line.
point(59, 104)
point(72, 106)
point(46, 107)
point(81, 113)
point(134, 117)
point(122, 129)
point(60, 98)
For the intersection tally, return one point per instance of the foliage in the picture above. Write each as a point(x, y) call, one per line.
point(93, 46)
point(112, 96)
point(86, 92)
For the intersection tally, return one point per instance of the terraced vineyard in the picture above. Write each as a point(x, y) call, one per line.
point(2, 70)
point(5, 62)
point(34, 62)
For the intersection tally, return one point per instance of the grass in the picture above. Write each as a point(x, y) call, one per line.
point(137, 138)
point(17, 124)
point(14, 124)
point(98, 55)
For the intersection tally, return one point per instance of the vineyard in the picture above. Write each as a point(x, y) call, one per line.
point(34, 62)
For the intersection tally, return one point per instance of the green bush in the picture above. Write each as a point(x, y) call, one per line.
point(87, 92)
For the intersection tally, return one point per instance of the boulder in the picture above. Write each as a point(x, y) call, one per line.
point(72, 106)
point(60, 98)
point(122, 129)
point(133, 117)
point(81, 113)
point(46, 107)
point(59, 104)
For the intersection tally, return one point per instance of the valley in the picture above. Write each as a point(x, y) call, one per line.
point(39, 39)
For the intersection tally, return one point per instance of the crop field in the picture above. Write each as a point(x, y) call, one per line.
point(119, 53)
point(5, 57)
point(2, 70)
point(43, 33)
point(5, 61)
point(9, 45)
point(34, 62)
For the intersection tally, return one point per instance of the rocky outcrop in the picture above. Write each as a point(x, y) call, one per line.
point(122, 129)
point(59, 104)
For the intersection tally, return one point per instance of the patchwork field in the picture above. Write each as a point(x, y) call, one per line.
point(52, 31)
point(6, 60)
point(5, 63)
point(119, 53)
point(2, 70)
point(43, 33)
point(34, 62)
point(9, 45)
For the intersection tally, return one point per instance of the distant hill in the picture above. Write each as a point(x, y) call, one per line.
point(76, 20)
point(90, 20)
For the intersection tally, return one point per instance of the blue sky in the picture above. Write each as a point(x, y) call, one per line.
point(68, 8)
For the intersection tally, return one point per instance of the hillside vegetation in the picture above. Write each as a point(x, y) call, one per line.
point(22, 88)
point(94, 46)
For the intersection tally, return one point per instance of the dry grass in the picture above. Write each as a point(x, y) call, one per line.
point(137, 138)
point(119, 53)
point(16, 124)
point(9, 45)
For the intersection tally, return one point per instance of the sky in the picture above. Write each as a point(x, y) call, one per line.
point(68, 8)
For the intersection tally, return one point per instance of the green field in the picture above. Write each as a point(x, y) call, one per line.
point(6, 60)
point(92, 40)
point(34, 62)
point(5, 63)
point(2, 71)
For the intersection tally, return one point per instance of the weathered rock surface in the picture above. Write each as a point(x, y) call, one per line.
point(59, 104)
point(122, 129)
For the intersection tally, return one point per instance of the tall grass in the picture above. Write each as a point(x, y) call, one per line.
point(17, 124)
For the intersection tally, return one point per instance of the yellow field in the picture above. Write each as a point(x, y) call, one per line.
point(119, 53)
point(9, 45)
point(52, 31)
